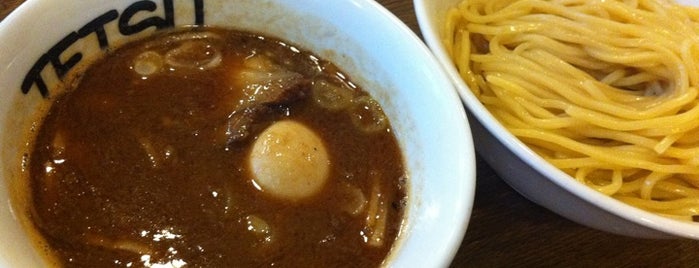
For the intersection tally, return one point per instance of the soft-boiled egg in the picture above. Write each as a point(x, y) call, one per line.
point(289, 161)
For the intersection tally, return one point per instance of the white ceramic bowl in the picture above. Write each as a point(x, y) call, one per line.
point(360, 36)
point(530, 174)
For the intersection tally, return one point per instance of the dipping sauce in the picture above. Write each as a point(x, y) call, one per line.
point(208, 147)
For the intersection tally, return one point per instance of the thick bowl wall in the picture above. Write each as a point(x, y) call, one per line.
point(361, 37)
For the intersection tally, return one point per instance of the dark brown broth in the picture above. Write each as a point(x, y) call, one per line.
point(102, 198)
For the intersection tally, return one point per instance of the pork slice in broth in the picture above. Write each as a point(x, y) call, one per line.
point(269, 88)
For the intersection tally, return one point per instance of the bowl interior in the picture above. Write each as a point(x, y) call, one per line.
point(359, 36)
point(549, 187)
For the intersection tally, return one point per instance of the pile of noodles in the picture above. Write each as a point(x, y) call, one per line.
point(605, 90)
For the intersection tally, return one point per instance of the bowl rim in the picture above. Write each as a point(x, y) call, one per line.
point(630, 213)
point(451, 243)
point(467, 170)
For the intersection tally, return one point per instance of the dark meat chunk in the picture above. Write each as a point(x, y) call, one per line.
point(272, 97)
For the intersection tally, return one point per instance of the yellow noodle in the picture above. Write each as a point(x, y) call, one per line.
point(676, 189)
point(605, 90)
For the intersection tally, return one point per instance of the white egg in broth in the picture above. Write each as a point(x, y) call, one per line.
point(289, 161)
